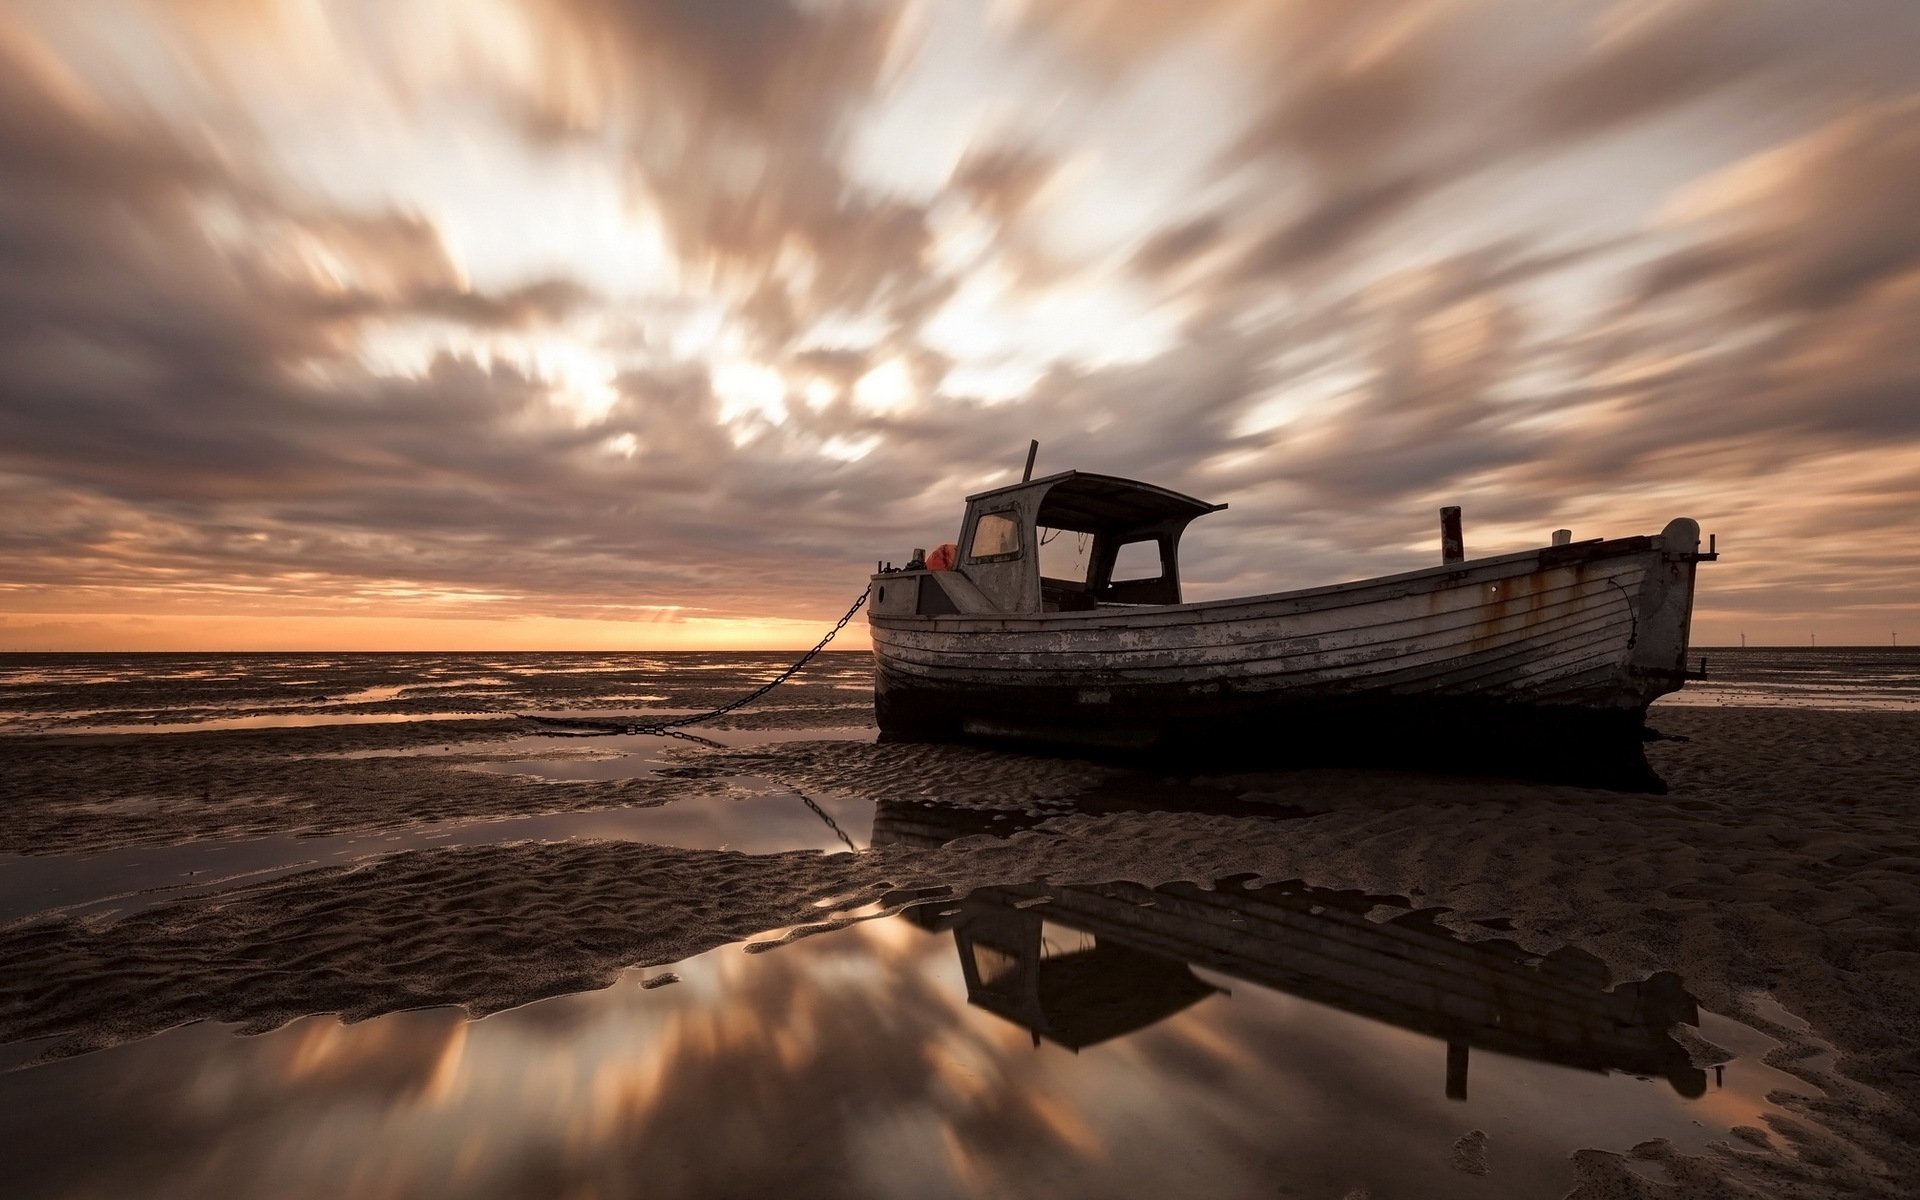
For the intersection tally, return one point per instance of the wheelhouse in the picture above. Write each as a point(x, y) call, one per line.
point(1063, 543)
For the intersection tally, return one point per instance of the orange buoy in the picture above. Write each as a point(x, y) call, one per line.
point(943, 557)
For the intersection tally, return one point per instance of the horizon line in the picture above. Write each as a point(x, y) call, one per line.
point(826, 650)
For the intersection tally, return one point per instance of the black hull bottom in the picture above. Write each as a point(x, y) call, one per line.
point(1589, 747)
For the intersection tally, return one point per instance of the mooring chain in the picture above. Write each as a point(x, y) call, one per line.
point(671, 728)
point(667, 727)
point(771, 684)
point(824, 815)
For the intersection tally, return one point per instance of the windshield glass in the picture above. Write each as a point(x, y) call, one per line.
point(1066, 555)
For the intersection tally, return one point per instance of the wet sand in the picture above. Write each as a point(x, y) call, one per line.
point(1780, 877)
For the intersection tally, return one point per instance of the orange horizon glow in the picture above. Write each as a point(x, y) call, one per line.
point(123, 633)
point(102, 633)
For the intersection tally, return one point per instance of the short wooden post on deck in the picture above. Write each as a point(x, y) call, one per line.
point(1456, 1067)
point(1453, 548)
point(1563, 537)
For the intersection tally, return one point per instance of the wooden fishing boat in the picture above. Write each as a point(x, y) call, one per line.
point(1058, 617)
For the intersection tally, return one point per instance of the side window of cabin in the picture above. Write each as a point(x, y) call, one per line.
point(997, 970)
point(995, 535)
point(1066, 555)
point(1137, 562)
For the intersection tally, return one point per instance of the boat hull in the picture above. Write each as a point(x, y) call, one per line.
point(1537, 657)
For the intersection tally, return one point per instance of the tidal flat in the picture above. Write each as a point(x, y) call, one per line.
point(313, 925)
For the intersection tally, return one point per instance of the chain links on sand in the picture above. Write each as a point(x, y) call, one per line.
point(667, 727)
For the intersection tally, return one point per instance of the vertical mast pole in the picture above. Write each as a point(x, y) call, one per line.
point(1453, 547)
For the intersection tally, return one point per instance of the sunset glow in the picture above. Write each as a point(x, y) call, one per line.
point(653, 324)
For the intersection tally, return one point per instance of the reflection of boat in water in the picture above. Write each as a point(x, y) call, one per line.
point(1080, 965)
point(1058, 617)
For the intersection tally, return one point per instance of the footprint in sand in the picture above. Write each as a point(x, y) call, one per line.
point(1470, 1153)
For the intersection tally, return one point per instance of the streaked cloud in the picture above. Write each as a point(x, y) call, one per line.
point(570, 310)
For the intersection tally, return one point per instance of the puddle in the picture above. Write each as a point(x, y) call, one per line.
point(176, 723)
point(271, 721)
point(1028, 1040)
point(138, 694)
point(1836, 699)
point(759, 816)
point(1849, 679)
point(756, 815)
point(370, 694)
point(1821, 1057)
point(614, 757)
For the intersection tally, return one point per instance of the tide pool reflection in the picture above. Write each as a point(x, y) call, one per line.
point(866, 1062)
point(1079, 965)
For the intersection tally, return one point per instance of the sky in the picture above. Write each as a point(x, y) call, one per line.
point(654, 324)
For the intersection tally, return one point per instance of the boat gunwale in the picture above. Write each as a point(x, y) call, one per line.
point(1542, 607)
point(1123, 617)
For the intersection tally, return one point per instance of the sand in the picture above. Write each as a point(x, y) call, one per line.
point(1780, 877)
point(70, 795)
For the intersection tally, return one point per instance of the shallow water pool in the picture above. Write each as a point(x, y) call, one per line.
point(1039, 1041)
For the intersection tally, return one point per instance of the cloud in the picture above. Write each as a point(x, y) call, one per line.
point(1332, 262)
point(1173, 249)
point(734, 117)
point(1650, 60)
point(1812, 225)
point(1004, 180)
point(1777, 325)
point(1332, 224)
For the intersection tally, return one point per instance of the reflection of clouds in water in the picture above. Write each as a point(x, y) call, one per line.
point(844, 1064)
point(835, 1060)
point(828, 1050)
point(411, 1061)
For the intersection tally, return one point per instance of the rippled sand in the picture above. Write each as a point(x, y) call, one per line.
point(1780, 877)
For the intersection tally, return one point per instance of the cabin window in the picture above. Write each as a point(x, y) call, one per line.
point(1066, 555)
point(995, 535)
point(995, 968)
point(1137, 562)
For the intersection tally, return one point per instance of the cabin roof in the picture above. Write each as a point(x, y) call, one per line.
point(1091, 503)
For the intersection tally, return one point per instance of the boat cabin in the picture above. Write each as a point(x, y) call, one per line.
point(1068, 986)
point(1063, 543)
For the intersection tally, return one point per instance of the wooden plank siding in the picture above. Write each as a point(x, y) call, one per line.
point(1538, 626)
point(1547, 658)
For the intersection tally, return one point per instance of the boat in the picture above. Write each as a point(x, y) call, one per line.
point(1058, 617)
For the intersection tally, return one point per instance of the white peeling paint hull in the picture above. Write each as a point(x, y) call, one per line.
point(1598, 628)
